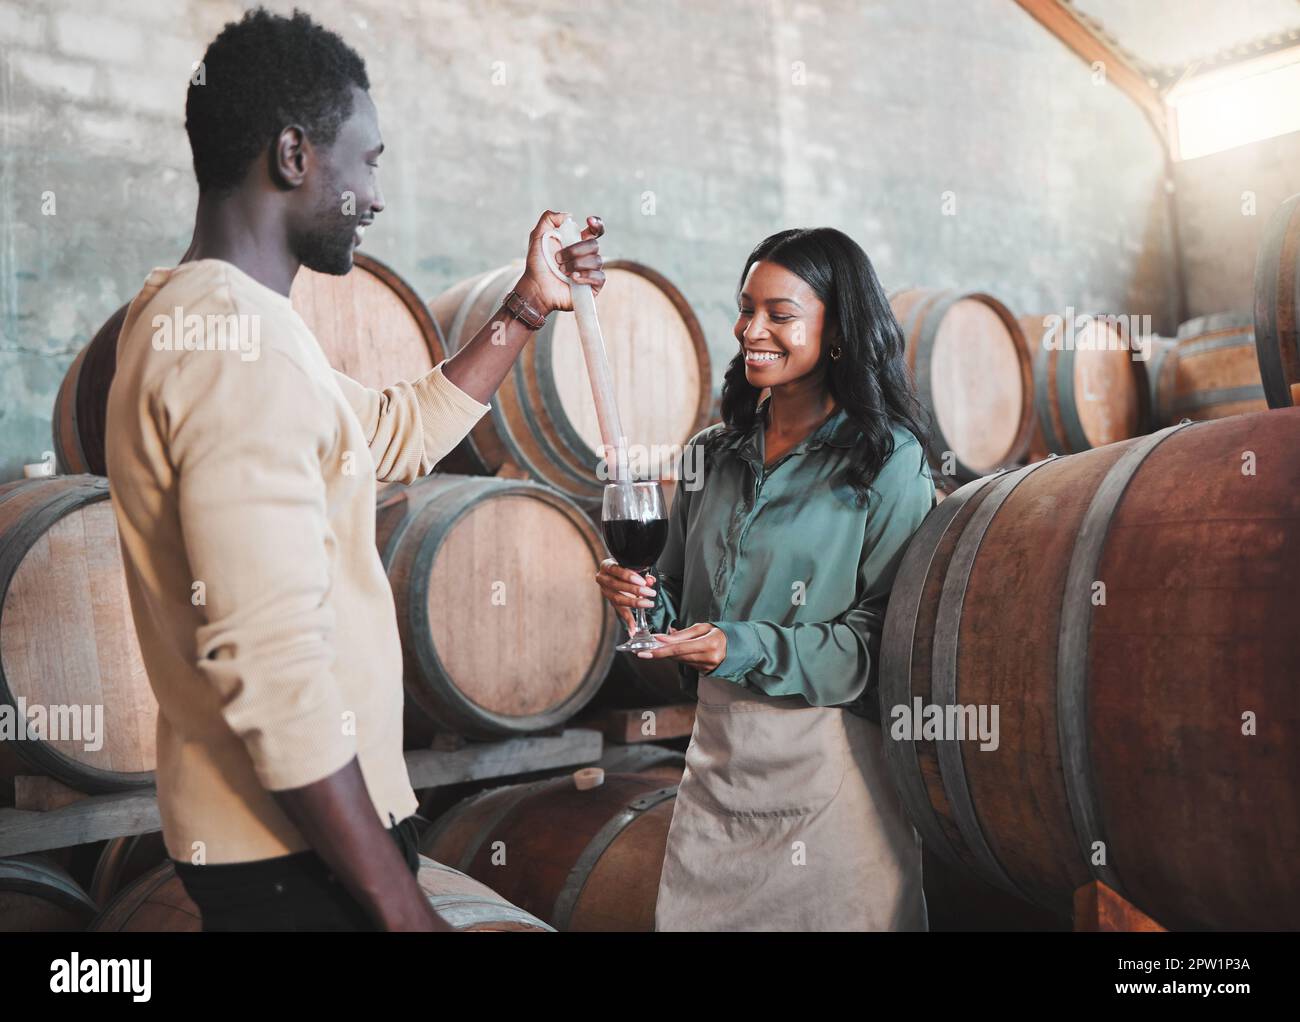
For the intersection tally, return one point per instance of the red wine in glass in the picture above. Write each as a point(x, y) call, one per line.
point(635, 525)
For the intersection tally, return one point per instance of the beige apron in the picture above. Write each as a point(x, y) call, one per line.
point(786, 820)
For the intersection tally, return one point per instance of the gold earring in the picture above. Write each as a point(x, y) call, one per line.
point(836, 352)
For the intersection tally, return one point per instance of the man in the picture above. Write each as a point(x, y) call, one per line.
point(244, 485)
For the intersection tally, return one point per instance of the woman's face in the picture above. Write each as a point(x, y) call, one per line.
point(779, 326)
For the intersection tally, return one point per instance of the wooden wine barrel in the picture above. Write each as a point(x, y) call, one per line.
point(581, 860)
point(1211, 373)
point(972, 373)
point(469, 905)
point(1087, 394)
point(645, 759)
point(1277, 307)
point(154, 903)
point(38, 896)
point(1161, 359)
point(81, 405)
point(543, 419)
point(123, 861)
point(633, 681)
point(370, 323)
point(1123, 622)
point(67, 638)
point(959, 901)
point(503, 630)
point(158, 902)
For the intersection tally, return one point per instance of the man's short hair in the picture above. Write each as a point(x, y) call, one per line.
point(260, 75)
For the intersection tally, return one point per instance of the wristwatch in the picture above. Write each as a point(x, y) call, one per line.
point(521, 309)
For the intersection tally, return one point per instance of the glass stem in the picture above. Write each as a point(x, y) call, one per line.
point(642, 626)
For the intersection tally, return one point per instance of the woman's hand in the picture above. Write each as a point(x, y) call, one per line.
point(702, 646)
point(542, 288)
point(625, 589)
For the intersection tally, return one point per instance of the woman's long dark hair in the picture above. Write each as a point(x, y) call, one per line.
point(870, 380)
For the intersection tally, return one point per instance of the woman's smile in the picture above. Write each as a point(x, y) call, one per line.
point(761, 357)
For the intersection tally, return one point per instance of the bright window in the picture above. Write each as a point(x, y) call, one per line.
point(1236, 105)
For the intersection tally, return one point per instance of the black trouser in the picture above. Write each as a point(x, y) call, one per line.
point(289, 892)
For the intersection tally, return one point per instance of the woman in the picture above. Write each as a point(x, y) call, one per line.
point(772, 590)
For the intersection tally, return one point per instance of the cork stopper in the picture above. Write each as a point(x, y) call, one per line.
point(588, 777)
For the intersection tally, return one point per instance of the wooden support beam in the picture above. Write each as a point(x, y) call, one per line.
point(98, 817)
point(1063, 22)
point(476, 761)
point(645, 723)
point(43, 793)
point(94, 818)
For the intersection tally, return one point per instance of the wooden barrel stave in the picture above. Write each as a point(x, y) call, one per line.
point(1085, 396)
point(515, 673)
point(541, 426)
point(123, 861)
point(38, 896)
point(582, 860)
point(953, 338)
point(69, 455)
point(370, 323)
point(1223, 608)
point(1159, 367)
point(508, 437)
point(155, 902)
point(81, 404)
point(1212, 372)
point(483, 451)
point(959, 901)
point(158, 903)
point(1047, 860)
point(67, 637)
point(914, 599)
point(1276, 318)
point(621, 883)
point(642, 304)
point(1115, 693)
point(469, 905)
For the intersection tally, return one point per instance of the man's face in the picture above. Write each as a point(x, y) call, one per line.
point(342, 194)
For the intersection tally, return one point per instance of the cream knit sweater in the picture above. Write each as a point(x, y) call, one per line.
point(244, 486)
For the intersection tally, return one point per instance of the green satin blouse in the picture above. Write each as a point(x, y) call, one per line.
point(786, 563)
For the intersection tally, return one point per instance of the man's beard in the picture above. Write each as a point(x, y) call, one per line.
point(326, 246)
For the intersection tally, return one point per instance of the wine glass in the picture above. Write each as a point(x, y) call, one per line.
point(635, 525)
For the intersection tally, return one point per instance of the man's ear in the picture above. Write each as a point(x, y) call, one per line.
point(290, 157)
